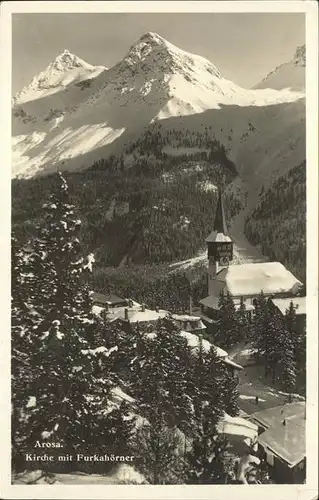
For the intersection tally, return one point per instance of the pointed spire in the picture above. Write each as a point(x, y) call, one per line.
point(220, 222)
point(219, 232)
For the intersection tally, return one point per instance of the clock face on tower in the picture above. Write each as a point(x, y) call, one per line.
point(224, 261)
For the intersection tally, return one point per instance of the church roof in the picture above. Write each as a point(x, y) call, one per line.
point(242, 280)
point(219, 232)
point(252, 278)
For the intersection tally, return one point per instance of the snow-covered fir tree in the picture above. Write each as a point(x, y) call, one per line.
point(66, 397)
point(243, 322)
point(228, 333)
point(208, 459)
point(298, 336)
point(161, 370)
point(260, 329)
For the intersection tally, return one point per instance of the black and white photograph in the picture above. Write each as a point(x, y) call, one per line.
point(160, 303)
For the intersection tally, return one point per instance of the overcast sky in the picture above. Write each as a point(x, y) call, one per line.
point(244, 47)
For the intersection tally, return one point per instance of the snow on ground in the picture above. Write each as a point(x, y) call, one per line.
point(120, 395)
point(201, 258)
point(67, 144)
point(120, 474)
point(207, 186)
point(252, 384)
point(174, 84)
point(193, 341)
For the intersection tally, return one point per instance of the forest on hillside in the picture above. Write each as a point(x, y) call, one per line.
point(278, 223)
point(147, 207)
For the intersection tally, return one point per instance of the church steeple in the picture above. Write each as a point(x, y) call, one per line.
point(220, 222)
point(219, 244)
point(219, 232)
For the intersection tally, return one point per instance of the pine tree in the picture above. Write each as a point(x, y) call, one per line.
point(160, 450)
point(23, 322)
point(67, 396)
point(228, 333)
point(298, 339)
point(243, 322)
point(260, 330)
point(161, 374)
point(208, 460)
point(214, 395)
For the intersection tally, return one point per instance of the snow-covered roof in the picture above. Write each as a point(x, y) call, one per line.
point(287, 439)
point(252, 278)
point(272, 416)
point(189, 323)
point(107, 299)
point(211, 301)
point(136, 314)
point(193, 342)
point(139, 316)
point(185, 317)
point(237, 426)
point(97, 309)
point(232, 363)
point(284, 304)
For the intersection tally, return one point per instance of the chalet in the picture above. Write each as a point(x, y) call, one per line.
point(240, 433)
point(244, 281)
point(282, 440)
point(133, 314)
point(108, 300)
point(299, 303)
point(193, 342)
point(189, 323)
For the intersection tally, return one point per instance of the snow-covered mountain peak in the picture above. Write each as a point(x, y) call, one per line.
point(299, 58)
point(153, 51)
point(73, 113)
point(65, 61)
point(63, 70)
point(288, 75)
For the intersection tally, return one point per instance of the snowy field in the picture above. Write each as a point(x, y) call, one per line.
point(252, 384)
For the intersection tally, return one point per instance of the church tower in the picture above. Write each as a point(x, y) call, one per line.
point(219, 244)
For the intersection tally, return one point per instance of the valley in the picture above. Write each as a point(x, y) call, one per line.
point(146, 143)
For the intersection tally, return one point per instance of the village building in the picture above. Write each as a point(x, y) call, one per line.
point(193, 342)
point(106, 301)
point(244, 281)
point(299, 303)
point(189, 323)
point(240, 433)
point(282, 439)
point(133, 314)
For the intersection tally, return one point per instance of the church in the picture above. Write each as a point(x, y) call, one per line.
point(240, 280)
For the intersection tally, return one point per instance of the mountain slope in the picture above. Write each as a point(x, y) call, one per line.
point(75, 114)
point(278, 222)
point(288, 75)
